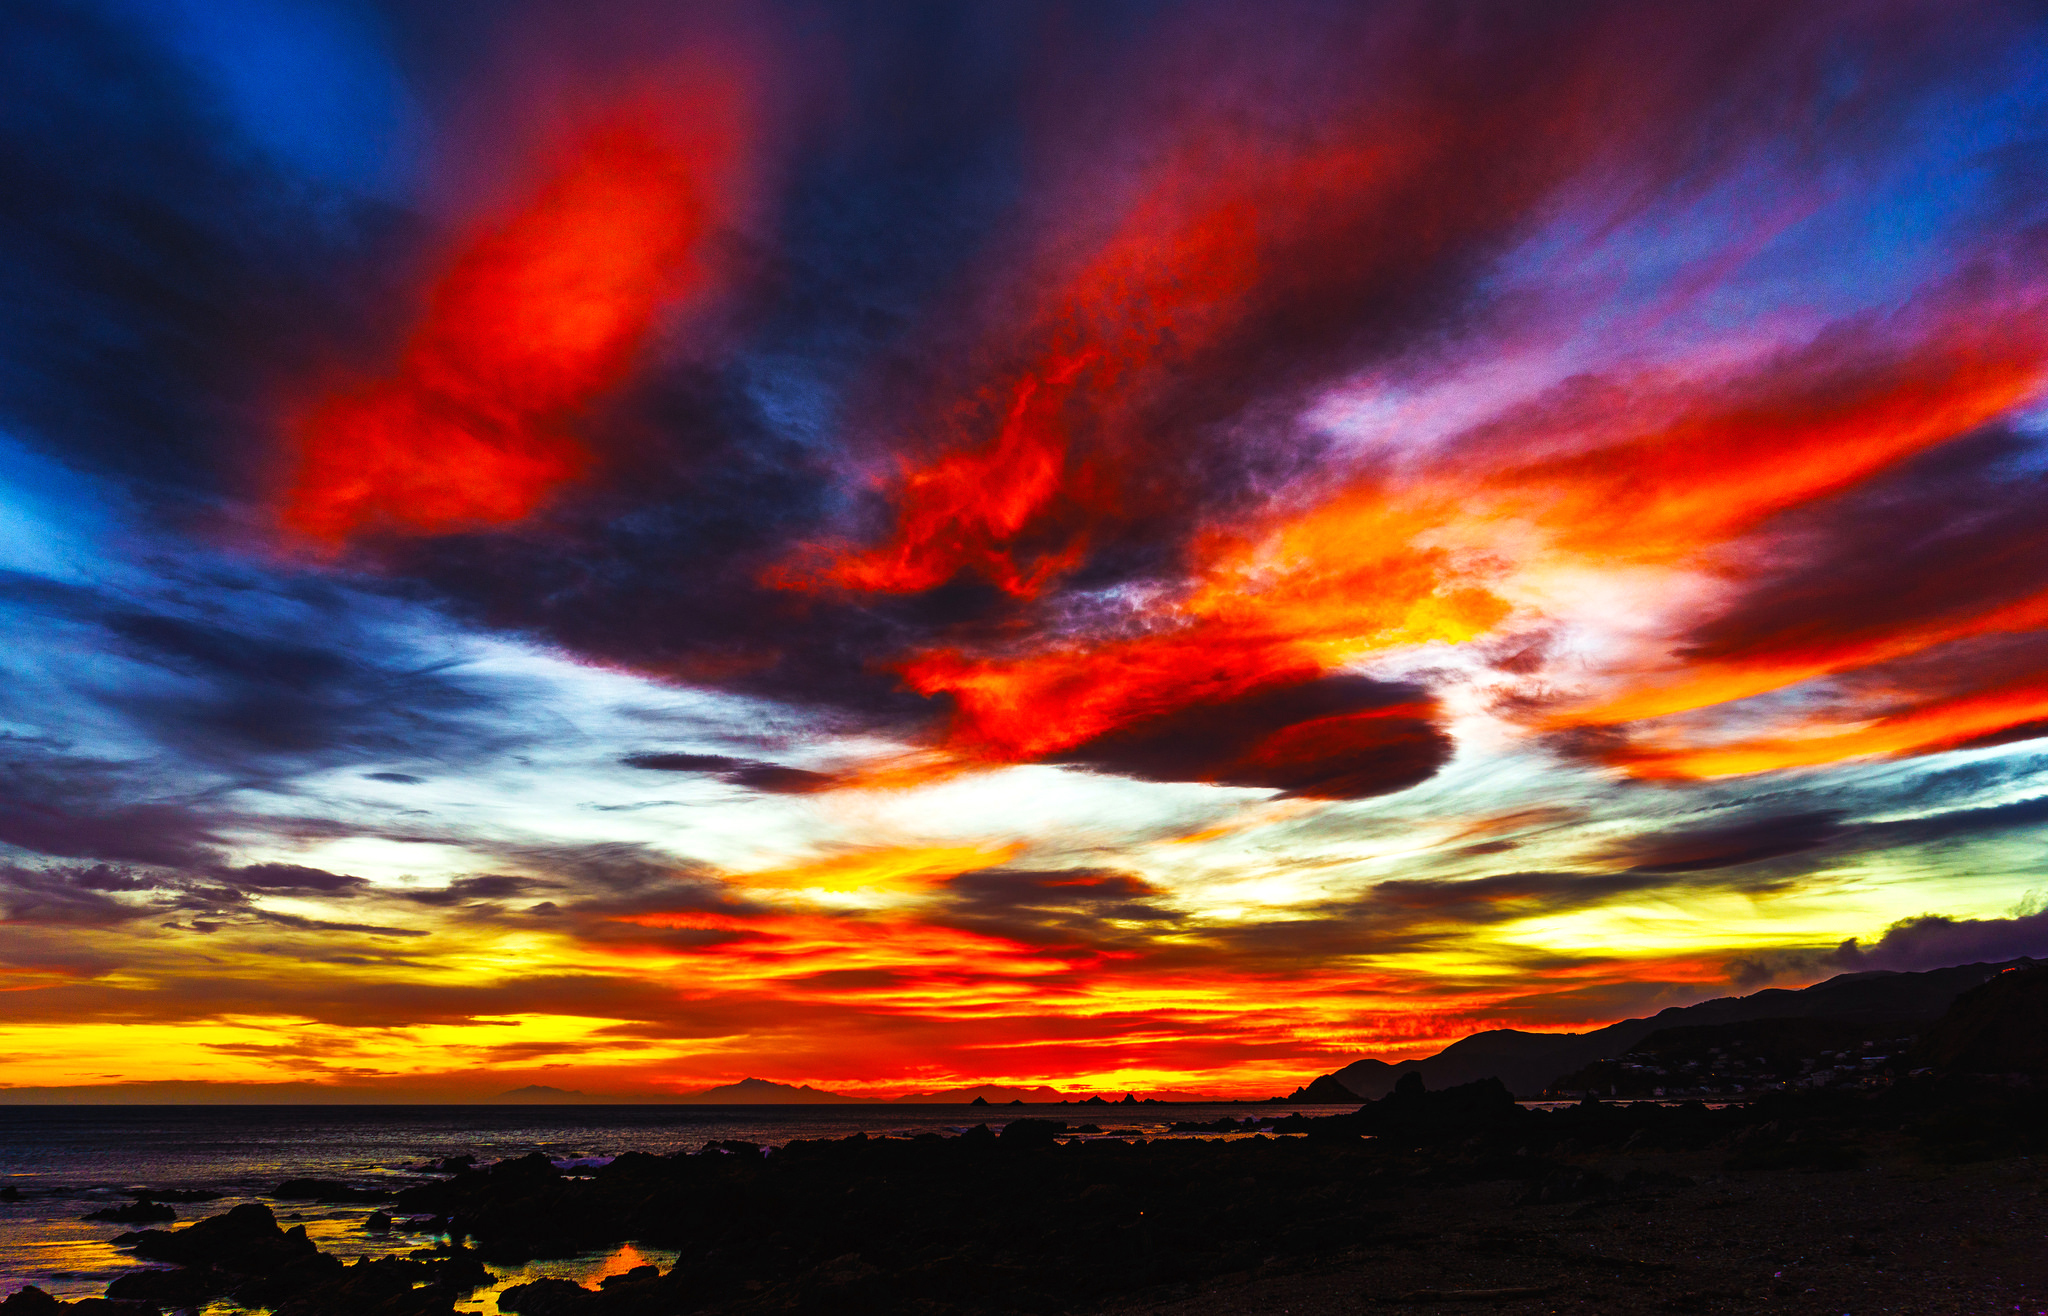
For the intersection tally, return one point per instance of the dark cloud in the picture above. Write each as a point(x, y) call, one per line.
point(299, 923)
point(1726, 844)
point(1932, 941)
point(352, 1000)
point(396, 778)
point(291, 878)
point(1036, 906)
point(771, 778)
point(611, 871)
point(1342, 737)
point(1946, 538)
point(1957, 824)
point(79, 808)
point(80, 896)
point(683, 762)
point(296, 692)
point(464, 890)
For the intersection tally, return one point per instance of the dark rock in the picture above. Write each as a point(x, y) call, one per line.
point(979, 1101)
point(290, 1280)
point(142, 1212)
point(731, 1147)
point(456, 1165)
point(457, 1269)
point(637, 1275)
point(246, 1241)
point(379, 1222)
point(1032, 1132)
point(12, 1194)
point(32, 1301)
point(383, 1287)
point(1412, 1111)
point(546, 1297)
point(185, 1287)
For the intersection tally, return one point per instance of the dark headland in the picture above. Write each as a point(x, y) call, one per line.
point(1912, 1185)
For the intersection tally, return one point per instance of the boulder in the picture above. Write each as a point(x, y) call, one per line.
point(187, 1286)
point(1412, 1111)
point(1032, 1133)
point(245, 1241)
point(139, 1212)
point(290, 1280)
point(546, 1297)
point(32, 1301)
point(383, 1287)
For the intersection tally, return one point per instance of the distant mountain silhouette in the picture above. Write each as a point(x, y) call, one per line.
point(762, 1092)
point(1528, 1062)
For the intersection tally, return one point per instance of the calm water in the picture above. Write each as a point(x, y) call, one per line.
point(67, 1160)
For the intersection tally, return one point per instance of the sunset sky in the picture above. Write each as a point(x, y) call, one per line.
point(889, 546)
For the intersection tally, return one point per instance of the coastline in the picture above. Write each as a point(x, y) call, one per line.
point(1929, 1196)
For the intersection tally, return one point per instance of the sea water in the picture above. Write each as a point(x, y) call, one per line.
point(69, 1160)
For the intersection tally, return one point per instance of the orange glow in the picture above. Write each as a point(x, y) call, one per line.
point(1937, 725)
point(536, 317)
point(1649, 489)
point(1703, 684)
point(892, 869)
point(810, 944)
point(1321, 591)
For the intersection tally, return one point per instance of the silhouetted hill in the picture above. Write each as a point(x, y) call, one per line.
point(762, 1092)
point(1325, 1090)
point(2000, 1027)
point(1529, 1062)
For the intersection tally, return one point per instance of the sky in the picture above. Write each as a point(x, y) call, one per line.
point(1133, 546)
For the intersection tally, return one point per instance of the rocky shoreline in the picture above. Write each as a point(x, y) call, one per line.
point(1026, 1218)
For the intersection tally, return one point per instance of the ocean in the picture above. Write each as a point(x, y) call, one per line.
point(68, 1160)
